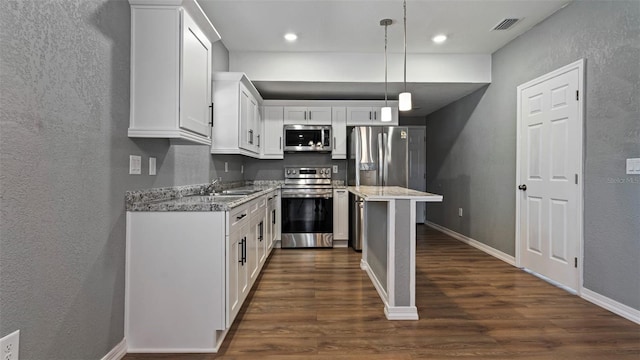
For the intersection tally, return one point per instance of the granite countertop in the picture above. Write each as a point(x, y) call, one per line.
point(385, 193)
point(189, 198)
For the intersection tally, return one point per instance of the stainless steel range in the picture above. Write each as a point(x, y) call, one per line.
point(307, 208)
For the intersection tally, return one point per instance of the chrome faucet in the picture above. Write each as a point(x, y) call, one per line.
point(210, 189)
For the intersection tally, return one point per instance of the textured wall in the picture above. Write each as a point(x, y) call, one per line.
point(274, 169)
point(64, 114)
point(472, 143)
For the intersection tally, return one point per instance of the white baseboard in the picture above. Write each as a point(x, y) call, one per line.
point(376, 283)
point(401, 313)
point(615, 307)
point(475, 243)
point(118, 352)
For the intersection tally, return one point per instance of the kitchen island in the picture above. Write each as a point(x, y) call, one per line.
point(389, 245)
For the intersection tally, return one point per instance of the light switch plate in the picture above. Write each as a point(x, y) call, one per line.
point(152, 165)
point(633, 166)
point(135, 165)
point(335, 169)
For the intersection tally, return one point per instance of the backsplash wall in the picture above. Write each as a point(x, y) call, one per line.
point(255, 169)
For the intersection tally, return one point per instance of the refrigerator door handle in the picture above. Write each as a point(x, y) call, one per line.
point(381, 159)
point(356, 136)
point(385, 163)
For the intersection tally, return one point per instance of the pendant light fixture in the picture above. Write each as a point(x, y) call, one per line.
point(404, 99)
point(386, 110)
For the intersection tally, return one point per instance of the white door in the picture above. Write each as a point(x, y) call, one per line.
point(418, 166)
point(549, 163)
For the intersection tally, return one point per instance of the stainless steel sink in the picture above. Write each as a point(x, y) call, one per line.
point(239, 191)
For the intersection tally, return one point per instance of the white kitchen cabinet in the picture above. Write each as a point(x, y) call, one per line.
point(236, 115)
point(257, 251)
point(369, 116)
point(171, 71)
point(339, 127)
point(237, 281)
point(273, 121)
point(175, 281)
point(340, 214)
point(273, 217)
point(307, 115)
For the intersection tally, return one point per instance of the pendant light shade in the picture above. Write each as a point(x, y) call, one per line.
point(404, 98)
point(386, 110)
point(404, 101)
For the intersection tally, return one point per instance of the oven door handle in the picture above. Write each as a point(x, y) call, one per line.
point(307, 196)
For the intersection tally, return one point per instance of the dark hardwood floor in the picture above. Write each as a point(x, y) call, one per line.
point(318, 304)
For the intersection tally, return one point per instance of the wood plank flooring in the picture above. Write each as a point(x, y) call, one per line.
point(319, 305)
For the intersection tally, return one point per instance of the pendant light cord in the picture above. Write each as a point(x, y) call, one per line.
point(385, 65)
point(404, 5)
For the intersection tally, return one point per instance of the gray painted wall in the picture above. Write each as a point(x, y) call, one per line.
point(274, 169)
point(472, 143)
point(64, 114)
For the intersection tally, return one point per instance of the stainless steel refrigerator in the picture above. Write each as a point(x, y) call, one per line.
point(377, 156)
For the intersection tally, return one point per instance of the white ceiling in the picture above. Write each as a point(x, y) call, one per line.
point(353, 26)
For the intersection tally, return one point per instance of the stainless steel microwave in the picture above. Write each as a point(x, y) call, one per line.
point(307, 138)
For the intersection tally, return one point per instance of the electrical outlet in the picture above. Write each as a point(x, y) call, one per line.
point(335, 169)
point(460, 212)
point(241, 169)
point(226, 166)
point(135, 166)
point(10, 346)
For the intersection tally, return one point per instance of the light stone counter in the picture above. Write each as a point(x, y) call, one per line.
point(389, 245)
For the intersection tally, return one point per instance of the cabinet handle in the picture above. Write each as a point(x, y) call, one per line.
point(341, 191)
point(241, 261)
point(258, 140)
point(211, 107)
point(260, 226)
point(244, 250)
point(375, 115)
point(241, 216)
point(334, 143)
point(251, 137)
point(309, 115)
point(280, 142)
point(269, 199)
point(273, 217)
point(369, 115)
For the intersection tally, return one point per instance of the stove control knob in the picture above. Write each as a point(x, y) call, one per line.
point(288, 171)
point(321, 171)
point(293, 172)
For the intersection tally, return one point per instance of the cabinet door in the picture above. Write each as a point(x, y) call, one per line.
point(295, 115)
point(257, 126)
point(252, 252)
point(339, 127)
point(195, 95)
point(319, 115)
point(360, 116)
point(234, 301)
point(340, 214)
point(273, 125)
point(246, 117)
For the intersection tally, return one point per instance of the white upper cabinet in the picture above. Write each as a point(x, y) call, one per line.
point(237, 122)
point(302, 115)
point(273, 121)
point(370, 115)
point(171, 71)
point(339, 127)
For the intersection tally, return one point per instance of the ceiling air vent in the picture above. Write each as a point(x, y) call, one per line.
point(505, 24)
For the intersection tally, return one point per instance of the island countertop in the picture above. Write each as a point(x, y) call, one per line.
point(385, 193)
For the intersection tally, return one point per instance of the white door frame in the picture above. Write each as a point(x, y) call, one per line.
point(580, 138)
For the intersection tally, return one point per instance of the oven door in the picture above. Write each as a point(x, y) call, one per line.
point(307, 221)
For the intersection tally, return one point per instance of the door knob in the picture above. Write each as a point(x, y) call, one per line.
point(523, 187)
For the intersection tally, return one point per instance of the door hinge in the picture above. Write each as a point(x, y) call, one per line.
point(577, 94)
point(575, 262)
point(576, 179)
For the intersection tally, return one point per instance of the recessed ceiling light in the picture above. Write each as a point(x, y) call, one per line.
point(290, 36)
point(439, 39)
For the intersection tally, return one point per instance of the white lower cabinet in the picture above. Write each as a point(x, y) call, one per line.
point(188, 274)
point(340, 214)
